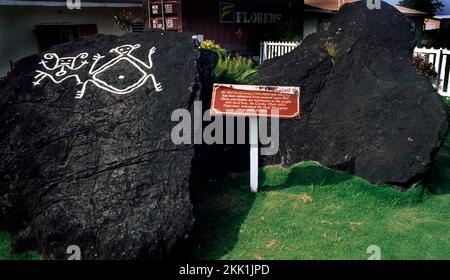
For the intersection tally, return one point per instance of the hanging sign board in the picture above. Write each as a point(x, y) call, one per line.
point(255, 101)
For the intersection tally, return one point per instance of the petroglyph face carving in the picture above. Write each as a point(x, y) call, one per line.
point(132, 72)
point(125, 49)
point(60, 67)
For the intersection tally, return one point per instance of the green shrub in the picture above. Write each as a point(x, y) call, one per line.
point(235, 70)
point(231, 69)
point(212, 46)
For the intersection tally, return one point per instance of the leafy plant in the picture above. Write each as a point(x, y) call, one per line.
point(231, 69)
point(124, 20)
point(423, 66)
point(330, 46)
point(212, 46)
point(235, 70)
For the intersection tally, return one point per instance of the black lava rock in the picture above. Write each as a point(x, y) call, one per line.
point(365, 108)
point(99, 171)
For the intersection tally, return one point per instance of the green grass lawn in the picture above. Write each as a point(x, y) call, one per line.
point(311, 212)
point(5, 250)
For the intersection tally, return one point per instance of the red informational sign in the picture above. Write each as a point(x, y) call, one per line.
point(256, 101)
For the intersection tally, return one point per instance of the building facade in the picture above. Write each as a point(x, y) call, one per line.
point(238, 26)
point(28, 27)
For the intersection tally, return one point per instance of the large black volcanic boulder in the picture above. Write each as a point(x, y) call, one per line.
point(87, 156)
point(365, 108)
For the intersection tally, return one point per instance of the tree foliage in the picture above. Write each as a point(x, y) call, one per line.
point(428, 6)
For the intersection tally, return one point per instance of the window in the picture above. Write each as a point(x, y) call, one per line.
point(155, 9)
point(157, 23)
point(168, 8)
point(50, 35)
point(137, 27)
point(323, 24)
point(430, 26)
point(170, 23)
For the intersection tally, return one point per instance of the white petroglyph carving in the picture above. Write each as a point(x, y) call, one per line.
point(124, 55)
point(62, 64)
point(103, 77)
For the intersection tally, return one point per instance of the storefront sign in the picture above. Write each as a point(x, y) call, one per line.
point(229, 15)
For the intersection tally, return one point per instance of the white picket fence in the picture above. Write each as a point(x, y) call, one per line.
point(270, 49)
point(441, 64)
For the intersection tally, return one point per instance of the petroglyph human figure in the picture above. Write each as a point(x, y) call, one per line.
point(105, 76)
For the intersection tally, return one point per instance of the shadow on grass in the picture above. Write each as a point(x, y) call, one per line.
point(438, 178)
point(221, 207)
point(304, 175)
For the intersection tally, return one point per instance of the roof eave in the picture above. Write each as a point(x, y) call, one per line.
point(84, 4)
point(319, 11)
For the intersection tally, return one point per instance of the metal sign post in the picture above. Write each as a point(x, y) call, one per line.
point(254, 141)
point(255, 101)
